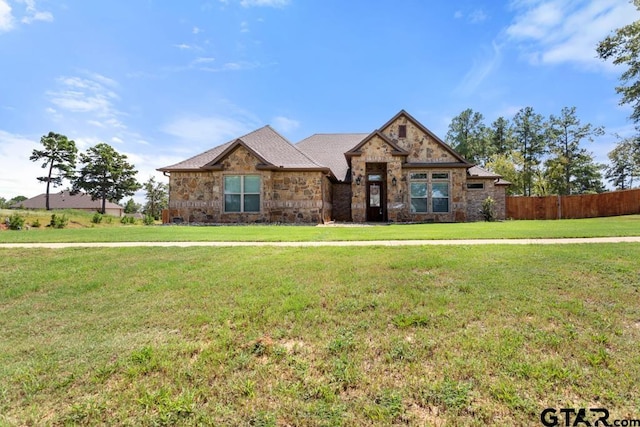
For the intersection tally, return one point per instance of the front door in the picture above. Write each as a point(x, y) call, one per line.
point(375, 200)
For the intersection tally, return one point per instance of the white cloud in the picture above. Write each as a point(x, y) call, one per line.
point(559, 31)
point(481, 69)
point(285, 124)
point(33, 14)
point(267, 3)
point(196, 30)
point(477, 15)
point(6, 18)
point(92, 96)
point(18, 177)
point(209, 131)
point(244, 27)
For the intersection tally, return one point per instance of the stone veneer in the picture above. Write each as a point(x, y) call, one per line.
point(286, 196)
point(421, 148)
point(475, 197)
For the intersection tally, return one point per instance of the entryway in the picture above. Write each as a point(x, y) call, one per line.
point(376, 191)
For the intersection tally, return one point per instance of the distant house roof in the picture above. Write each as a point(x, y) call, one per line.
point(271, 148)
point(64, 200)
point(328, 149)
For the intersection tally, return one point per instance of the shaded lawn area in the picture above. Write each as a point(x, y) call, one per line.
point(462, 335)
point(592, 227)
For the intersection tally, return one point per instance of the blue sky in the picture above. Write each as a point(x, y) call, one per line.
point(164, 80)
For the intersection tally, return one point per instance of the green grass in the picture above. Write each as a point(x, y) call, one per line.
point(593, 227)
point(462, 335)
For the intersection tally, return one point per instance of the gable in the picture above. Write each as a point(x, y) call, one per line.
point(378, 144)
point(422, 145)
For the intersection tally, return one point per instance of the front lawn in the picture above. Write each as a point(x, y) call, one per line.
point(460, 335)
point(592, 227)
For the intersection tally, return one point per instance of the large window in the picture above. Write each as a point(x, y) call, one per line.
point(242, 193)
point(421, 189)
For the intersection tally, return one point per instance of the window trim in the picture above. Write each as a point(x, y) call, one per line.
point(242, 194)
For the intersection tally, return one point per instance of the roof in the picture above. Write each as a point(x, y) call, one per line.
point(64, 200)
point(355, 151)
point(478, 172)
point(328, 149)
point(271, 148)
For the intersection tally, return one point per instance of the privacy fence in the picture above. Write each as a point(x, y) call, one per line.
point(614, 203)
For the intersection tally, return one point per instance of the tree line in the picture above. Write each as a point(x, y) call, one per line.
point(101, 172)
point(542, 156)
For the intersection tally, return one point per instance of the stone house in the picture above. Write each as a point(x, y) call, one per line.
point(400, 172)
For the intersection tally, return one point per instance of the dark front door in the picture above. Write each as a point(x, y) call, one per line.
point(375, 200)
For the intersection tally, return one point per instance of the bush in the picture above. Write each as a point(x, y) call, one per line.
point(96, 218)
point(148, 220)
point(15, 222)
point(488, 209)
point(59, 221)
point(127, 220)
point(35, 223)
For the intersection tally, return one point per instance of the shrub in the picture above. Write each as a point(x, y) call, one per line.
point(97, 218)
point(15, 222)
point(59, 221)
point(148, 220)
point(126, 220)
point(35, 223)
point(488, 209)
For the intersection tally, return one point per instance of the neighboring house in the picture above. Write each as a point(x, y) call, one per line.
point(400, 172)
point(66, 200)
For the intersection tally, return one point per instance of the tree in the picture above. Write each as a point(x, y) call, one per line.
point(105, 175)
point(508, 165)
point(468, 136)
point(529, 137)
point(59, 155)
point(624, 48)
point(565, 133)
point(157, 198)
point(132, 207)
point(6, 204)
point(625, 164)
point(501, 136)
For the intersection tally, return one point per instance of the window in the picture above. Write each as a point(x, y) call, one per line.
point(440, 192)
point(402, 131)
point(242, 193)
point(475, 185)
point(418, 190)
point(440, 197)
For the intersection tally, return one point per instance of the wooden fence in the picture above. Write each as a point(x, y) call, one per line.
point(614, 203)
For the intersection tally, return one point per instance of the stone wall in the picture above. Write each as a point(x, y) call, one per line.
point(421, 147)
point(475, 197)
point(286, 196)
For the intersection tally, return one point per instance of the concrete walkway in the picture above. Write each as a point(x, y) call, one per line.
point(635, 239)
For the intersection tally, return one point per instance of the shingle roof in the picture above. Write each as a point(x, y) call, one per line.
point(478, 172)
point(328, 149)
point(267, 144)
point(64, 200)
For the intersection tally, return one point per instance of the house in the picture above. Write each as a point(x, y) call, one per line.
point(66, 200)
point(400, 172)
